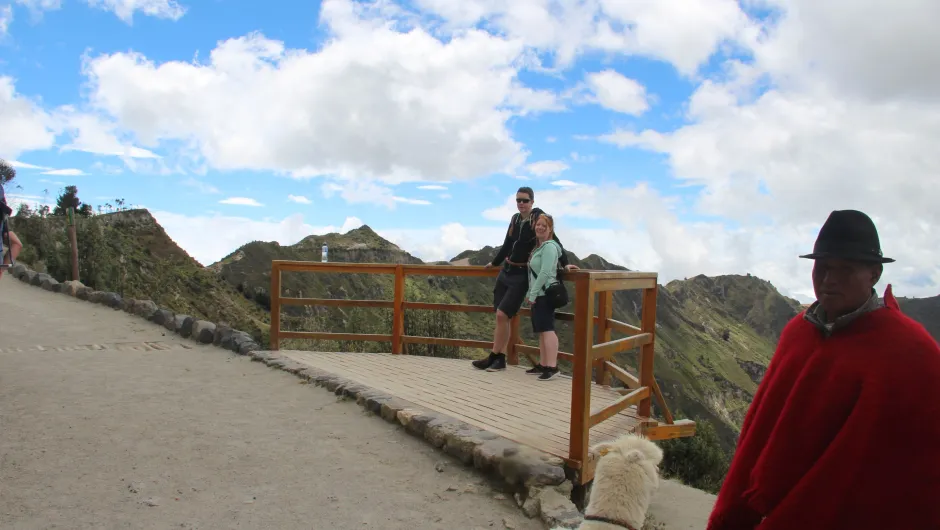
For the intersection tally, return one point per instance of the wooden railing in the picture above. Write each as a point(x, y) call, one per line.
point(590, 288)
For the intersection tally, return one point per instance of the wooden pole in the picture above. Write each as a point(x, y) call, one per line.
point(274, 334)
point(579, 433)
point(605, 310)
point(398, 311)
point(73, 241)
point(648, 325)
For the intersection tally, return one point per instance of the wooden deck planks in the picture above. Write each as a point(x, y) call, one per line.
point(511, 404)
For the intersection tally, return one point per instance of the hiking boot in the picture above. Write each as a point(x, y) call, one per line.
point(535, 370)
point(483, 364)
point(499, 363)
point(548, 372)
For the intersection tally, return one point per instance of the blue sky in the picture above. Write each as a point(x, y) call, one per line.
point(676, 140)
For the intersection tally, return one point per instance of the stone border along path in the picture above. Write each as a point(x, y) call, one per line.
point(541, 487)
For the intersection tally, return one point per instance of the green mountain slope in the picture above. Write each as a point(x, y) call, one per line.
point(129, 253)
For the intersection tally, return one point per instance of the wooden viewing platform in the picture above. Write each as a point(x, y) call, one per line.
point(556, 417)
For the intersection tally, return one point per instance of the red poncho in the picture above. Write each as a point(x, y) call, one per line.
point(844, 432)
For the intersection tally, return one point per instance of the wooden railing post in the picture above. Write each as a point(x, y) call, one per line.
point(579, 434)
point(275, 296)
point(648, 325)
point(512, 356)
point(605, 310)
point(398, 315)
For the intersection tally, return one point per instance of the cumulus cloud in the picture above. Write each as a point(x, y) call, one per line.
point(374, 100)
point(547, 168)
point(241, 201)
point(26, 126)
point(615, 91)
point(70, 172)
point(684, 33)
point(299, 199)
point(125, 9)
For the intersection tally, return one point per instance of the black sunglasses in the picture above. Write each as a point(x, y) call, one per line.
point(523, 201)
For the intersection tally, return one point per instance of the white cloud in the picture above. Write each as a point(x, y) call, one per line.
point(26, 126)
point(299, 199)
point(23, 165)
point(350, 223)
point(241, 201)
point(564, 183)
point(684, 33)
point(432, 187)
point(6, 17)
point(617, 92)
point(71, 172)
point(125, 9)
point(93, 135)
point(420, 202)
point(374, 99)
point(547, 168)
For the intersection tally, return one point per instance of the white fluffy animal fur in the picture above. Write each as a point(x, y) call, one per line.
point(626, 477)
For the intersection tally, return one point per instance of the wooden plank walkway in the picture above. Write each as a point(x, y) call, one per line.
point(510, 404)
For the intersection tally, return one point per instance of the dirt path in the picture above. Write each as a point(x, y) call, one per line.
point(191, 436)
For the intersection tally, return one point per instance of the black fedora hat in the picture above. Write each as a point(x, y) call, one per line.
point(851, 235)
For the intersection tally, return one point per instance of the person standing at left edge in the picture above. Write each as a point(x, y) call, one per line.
point(844, 430)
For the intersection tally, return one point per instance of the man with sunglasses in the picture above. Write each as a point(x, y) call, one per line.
point(512, 284)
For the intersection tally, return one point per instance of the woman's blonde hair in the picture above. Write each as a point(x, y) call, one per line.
point(550, 221)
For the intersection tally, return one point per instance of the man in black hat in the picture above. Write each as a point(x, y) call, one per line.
point(844, 430)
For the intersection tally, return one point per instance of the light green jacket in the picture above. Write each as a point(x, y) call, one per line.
point(544, 263)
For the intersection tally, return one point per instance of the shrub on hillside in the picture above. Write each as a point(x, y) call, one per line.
point(697, 461)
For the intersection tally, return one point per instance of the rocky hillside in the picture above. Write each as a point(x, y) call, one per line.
point(129, 253)
point(924, 310)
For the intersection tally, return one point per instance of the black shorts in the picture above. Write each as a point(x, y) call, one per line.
point(510, 291)
point(543, 315)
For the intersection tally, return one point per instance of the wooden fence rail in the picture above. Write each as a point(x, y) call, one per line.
point(589, 357)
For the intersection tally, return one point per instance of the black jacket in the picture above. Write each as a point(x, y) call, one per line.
point(520, 240)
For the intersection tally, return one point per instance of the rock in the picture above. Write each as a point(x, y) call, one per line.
point(440, 467)
point(129, 305)
point(528, 468)
point(245, 348)
point(234, 338)
point(18, 270)
point(531, 507)
point(28, 276)
point(84, 293)
point(222, 331)
point(112, 300)
point(71, 287)
point(462, 443)
point(50, 284)
point(144, 308)
point(203, 331)
point(161, 317)
point(39, 278)
point(151, 501)
point(170, 323)
point(183, 324)
point(508, 524)
point(557, 511)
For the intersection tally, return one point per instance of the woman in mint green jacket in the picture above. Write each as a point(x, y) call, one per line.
point(543, 271)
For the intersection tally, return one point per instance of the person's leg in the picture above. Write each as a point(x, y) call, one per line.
point(543, 320)
point(501, 329)
point(517, 285)
point(15, 246)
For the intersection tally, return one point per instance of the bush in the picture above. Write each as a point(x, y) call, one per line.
point(697, 461)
